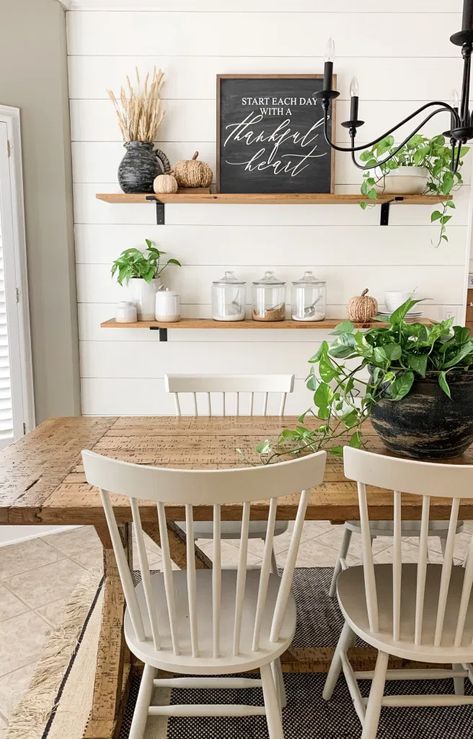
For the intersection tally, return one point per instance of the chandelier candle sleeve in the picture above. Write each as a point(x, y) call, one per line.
point(354, 99)
point(467, 19)
point(328, 66)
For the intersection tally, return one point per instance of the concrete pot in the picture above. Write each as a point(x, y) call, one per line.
point(405, 181)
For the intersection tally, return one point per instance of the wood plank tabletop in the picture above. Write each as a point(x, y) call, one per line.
point(42, 479)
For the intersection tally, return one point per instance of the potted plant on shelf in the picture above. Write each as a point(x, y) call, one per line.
point(142, 270)
point(423, 165)
point(415, 383)
point(139, 116)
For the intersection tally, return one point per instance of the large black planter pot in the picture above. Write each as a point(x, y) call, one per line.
point(426, 424)
point(140, 165)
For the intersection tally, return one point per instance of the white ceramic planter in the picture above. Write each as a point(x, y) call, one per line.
point(143, 295)
point(405, 180)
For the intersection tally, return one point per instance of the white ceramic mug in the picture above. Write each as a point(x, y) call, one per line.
point(394, 298)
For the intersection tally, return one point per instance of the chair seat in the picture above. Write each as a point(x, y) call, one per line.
point(164, 657)
point(232, 529)
point(409, 528)
point(350, 592)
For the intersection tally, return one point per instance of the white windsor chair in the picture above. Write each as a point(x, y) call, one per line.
point(226, 393)
point(207, 622)
point(418, 611)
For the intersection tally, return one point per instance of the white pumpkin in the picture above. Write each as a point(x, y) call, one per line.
point(165, 183)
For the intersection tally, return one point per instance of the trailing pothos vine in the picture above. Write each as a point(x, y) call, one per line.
point(359, 368)
point(433, 154)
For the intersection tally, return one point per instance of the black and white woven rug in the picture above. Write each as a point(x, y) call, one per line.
point(307, 715)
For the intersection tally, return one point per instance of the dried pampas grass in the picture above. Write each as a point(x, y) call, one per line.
point(138, 108)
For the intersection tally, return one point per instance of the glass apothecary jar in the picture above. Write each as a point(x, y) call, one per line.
point(308, 298)
point(228, 298)
point(269, 301)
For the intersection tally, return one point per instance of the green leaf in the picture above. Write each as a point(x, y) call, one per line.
point(463, 352)
point(341, 352)
point(418, 362)
point(312, 383)
point(393, 351)
point(351, 419)
point(327, 370)
point(323, 395)
point(435, 216)
point(264, 447)
point(321, 351)
point(344, 327)
point(401, 312)
point(380, 355)
point(401, 385)
point(444, 384)
point(337, 450)
point(355, 440)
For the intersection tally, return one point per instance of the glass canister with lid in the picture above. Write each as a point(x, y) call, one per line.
point(269, 302)
point(308, 298)
point(228, 298)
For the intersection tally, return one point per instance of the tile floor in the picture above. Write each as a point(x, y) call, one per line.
point(38, 576)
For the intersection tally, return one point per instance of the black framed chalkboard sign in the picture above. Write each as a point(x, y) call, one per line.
point(270, 134)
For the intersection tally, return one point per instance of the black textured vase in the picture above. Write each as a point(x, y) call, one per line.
point(139, 167)
point(426, 424)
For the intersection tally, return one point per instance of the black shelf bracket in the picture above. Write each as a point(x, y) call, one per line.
point(163, 332)
point(384, 219)
point(160, 215)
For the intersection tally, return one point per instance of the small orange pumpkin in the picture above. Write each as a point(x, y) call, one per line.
point(362, 307)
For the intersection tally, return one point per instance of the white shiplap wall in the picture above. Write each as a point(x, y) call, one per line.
point(401, 56)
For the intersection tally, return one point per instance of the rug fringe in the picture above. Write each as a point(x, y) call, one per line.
point(33, 711)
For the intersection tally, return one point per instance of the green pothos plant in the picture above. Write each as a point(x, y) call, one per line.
point(147, 265)
point(359, 368)
point(434, 154)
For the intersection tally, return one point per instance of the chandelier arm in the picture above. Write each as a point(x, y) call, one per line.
point(398, 148)
point(443, 108)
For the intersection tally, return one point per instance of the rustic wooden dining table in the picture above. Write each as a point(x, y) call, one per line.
point(42, 482)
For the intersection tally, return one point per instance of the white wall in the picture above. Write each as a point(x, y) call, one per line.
point(401, 56)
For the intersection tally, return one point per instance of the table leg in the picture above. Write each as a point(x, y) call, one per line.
point(177, 545)
point(113, 657)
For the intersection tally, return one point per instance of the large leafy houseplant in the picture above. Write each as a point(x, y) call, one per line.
point(359, 369)
point(434, 154)
point(146, 265)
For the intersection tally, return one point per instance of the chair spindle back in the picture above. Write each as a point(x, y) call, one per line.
point(213, 488)
point(234, 395)
point(428, 481)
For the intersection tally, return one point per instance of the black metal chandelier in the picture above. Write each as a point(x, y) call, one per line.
point(461, 121)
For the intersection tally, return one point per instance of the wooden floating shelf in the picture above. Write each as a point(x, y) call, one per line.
point(199, 197)
point(208, 323)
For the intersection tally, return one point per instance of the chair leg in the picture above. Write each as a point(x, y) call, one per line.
point(341, 555)
point(278, 678)
point(274, 564)
point(271, 704)
point(373, 709)
point(459, 682)
point(346, 639)
point(143, 701)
